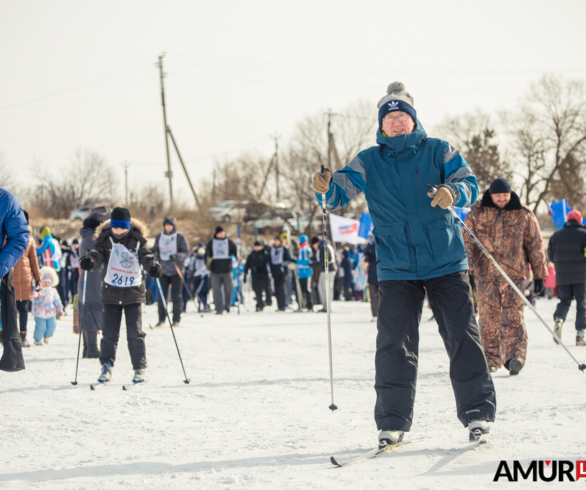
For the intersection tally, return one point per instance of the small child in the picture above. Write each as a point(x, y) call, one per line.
point(121, 247)
point(46, 305)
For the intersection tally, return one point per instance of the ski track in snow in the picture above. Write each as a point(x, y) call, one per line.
point(255, 414)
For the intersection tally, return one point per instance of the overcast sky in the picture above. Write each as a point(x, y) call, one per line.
point(82, 73)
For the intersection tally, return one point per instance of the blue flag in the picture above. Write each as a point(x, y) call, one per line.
point(559, 212)
point(365, 225)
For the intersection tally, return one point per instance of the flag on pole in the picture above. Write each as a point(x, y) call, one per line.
point(345, 230)
point(365, 225)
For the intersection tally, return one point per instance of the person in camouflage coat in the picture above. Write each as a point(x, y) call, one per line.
point(511, 234)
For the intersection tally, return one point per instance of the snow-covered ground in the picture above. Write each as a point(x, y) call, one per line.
point(255, 414)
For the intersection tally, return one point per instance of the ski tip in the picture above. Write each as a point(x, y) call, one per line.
point(334, 462)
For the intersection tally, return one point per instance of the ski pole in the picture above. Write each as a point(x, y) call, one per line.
point(185, 286)
point(581, 367)
point(332, 407)
point(186, 381)
point(80, 328)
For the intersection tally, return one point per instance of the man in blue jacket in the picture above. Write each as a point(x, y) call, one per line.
point(14, 236)
point(419, 247)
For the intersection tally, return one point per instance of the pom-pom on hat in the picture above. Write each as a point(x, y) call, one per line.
point(575, 215)
point(120, 218)
point(397, 99)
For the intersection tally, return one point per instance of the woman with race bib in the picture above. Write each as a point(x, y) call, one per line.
point(121, 247)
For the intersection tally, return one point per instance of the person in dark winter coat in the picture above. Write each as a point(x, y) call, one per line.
point(14, 238)
point(419, 248)
point(373, 285)
point(73, 267)
point(90, 312)
point(567, 251)
point(63, 273)
point(347, 265)
point(171, 249)
point(280, 258)
point(121, 247)
point(201, 277)
point(218, 253)
point(258, 263)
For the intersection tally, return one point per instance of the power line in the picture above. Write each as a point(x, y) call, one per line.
point(78, 99)
point(77, 87)
point(363, 68)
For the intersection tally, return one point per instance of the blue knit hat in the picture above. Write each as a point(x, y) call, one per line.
point(397, 99)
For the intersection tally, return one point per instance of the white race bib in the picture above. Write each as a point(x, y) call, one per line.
point(277, 255)
point(123, 267)
point(167, 245)
point(220, 249)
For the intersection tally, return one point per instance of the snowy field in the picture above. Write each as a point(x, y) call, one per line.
point(255, 414)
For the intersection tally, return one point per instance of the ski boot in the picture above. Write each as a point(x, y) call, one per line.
point(389, 437)
point(106, 373)
point(477, 429)
point(514, 366)
point(138, 376)
point(581, 337)
point(559, 322)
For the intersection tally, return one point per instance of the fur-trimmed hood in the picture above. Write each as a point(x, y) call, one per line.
point(135, 224)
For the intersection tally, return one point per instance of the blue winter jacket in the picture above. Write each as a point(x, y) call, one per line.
point(14, 229)
point(413, 240)
point(304, 262)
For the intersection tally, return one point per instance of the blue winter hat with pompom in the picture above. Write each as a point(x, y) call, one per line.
point(397, 99)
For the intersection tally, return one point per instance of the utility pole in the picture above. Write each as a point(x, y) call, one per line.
point(125, 166)
point(276, 137)
point(330, 138)
point(168, 174)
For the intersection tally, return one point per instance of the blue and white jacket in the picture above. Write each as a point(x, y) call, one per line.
point(13, 229)
point(303, 262)
point(413, 240)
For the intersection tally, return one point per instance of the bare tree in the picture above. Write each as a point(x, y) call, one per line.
point(547, 131)
point(353, 130)
point(474, 136)
point(88, 179)
point(6, 176)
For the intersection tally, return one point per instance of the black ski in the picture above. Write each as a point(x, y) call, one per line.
point(372, 453)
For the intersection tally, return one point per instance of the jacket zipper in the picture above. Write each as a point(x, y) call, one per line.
point(419, 181)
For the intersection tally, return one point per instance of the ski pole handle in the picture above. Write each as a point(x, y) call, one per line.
point(431, 189)
point(323, 171)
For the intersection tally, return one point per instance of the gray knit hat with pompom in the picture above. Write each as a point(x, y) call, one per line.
point(397, 99)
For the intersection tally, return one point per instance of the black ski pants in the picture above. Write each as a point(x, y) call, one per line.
point(397, 349)
point(176, 286)
point(280, 283)
point(305, 293)
point(260, 285)
point(22, 308)
point(111, 319)
point(567, 292)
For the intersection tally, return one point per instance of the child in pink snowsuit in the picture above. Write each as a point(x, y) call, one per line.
point(550, 283)
point(46, 306)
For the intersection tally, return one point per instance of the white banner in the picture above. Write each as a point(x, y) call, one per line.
point(345, 230)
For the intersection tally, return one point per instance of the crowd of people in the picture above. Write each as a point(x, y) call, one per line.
point(415, 252)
